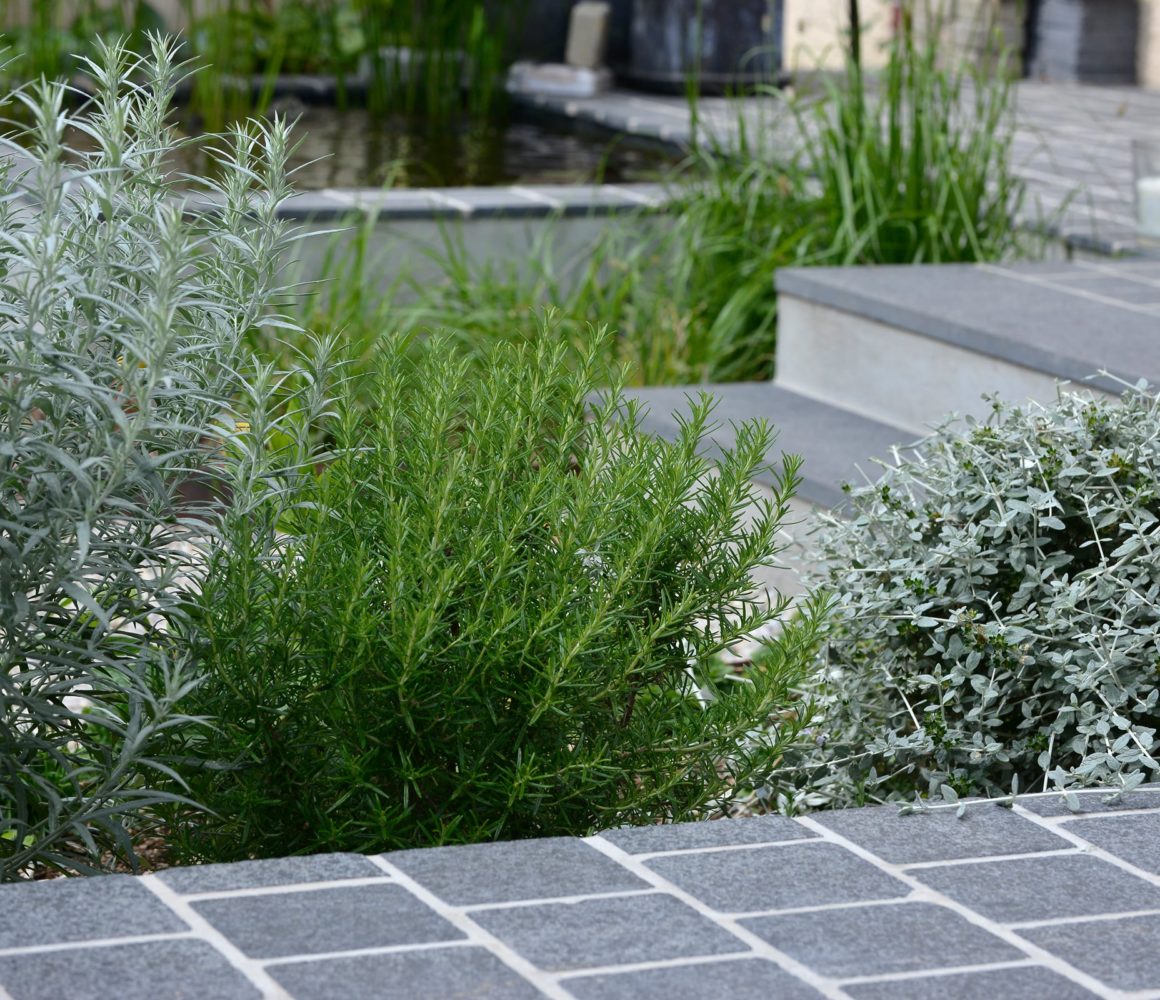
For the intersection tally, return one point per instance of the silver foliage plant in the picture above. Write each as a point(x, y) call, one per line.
point(997, 611)
point(121, 325)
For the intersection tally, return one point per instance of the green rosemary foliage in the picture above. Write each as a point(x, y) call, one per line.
point(492, 614)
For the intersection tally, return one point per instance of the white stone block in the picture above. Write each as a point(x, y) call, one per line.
point(557, 80)
point(587, 34)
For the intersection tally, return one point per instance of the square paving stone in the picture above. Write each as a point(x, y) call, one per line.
point(156, 970)
point(316, 921)
point(1120, 953)
point(431, 974)
point(81, 909)
point(744, 979)
point(711, 833)
point(1030, 983)
point(864, 941)
point(940, 835)
point(269, 872)
point(507, 872)
point(599, 932)
point(1042, 888)
point(1135, 839)
point(778, 878)
point(1101, 801)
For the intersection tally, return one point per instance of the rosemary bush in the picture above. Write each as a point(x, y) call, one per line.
point(120, 326)
point(998, 622)
point(491, 614)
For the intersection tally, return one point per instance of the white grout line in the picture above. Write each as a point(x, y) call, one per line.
point(1065, 290)
point(368, 952)
point(825, 985)
point(958, 970)
point(682, 852)
point(451, 202)
point(790, 911)
point(42, 949)
point(634, 196)
point(1041, 955)
point(1025, 856)
point(203, 929)
point(476, 934)
point(277, 890)
point(664, 963)
point(1081, 817)
point(1089, 918)
point(539, 199)
point(512, 904)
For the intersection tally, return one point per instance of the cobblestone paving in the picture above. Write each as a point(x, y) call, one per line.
point(1073, 146)
point(1034, 902)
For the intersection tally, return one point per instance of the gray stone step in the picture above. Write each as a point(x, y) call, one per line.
point(906, 345)
point(836, 445)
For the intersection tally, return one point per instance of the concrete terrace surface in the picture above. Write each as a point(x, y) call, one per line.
point(1029, 902)
point(1072, 145)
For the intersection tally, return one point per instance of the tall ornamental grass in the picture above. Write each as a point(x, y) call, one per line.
point(120, 330)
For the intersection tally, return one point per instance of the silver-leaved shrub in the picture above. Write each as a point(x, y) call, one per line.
point(998, 611)
point(121, 322)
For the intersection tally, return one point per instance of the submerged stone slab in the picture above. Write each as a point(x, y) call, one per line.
point(318, 921)
point(778, 878)
point(940, 834)
point(517, 870)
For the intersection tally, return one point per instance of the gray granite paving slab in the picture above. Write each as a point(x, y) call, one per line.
point(154, 970)
point(1120, 289)
point(506, 872)
point(1031, 983)
point(316, 921)
point(778, 878)
point(1120, 953)
point(858, 940)
point(1095, 801)
point(940, 835)
point(717, 833)
point(598, 932)
point(999, 313)
point(1042, 888)
point(81, 909)
point(269, 872)
point(743, 979)
point(834, 442)
point(1135, 839)
point(434, 974)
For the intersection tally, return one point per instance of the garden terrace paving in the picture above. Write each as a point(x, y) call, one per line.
point(1072, 145)
point(1030, 902)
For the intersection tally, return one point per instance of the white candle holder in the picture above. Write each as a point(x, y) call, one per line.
point(1146, 160)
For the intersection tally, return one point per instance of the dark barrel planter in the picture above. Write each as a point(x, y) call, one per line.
point(739, 43)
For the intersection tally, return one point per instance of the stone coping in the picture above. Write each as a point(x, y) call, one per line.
point(1069, 320)
point(541, 201)
point(1018, 903)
